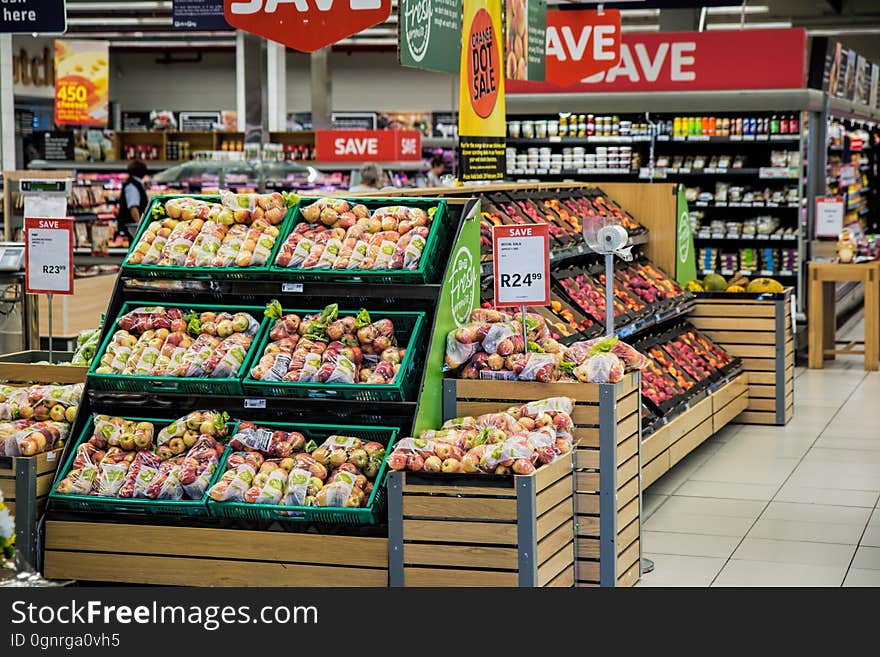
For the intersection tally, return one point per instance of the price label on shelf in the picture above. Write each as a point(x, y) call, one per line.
point(255, 403)
point(48, 256)
point(291, 287)
point(829, 216)
point(521, 259)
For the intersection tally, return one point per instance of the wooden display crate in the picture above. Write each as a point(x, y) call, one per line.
point(607, 463)
point(23, 367)
point(480, 530)
point(25, 482)
point(671, 442)
point(756, 328)
point(207, 556)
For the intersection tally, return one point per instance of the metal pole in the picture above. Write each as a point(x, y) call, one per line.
point(525, 332)
point(50, 327)
point(609, 294)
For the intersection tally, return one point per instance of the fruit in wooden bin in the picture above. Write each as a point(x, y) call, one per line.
point(695, 286)
point(715, 283)
point(765, 285)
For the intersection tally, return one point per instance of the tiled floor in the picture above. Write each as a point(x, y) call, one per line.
point(778, 506)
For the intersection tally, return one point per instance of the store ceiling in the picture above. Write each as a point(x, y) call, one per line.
point(139, 24)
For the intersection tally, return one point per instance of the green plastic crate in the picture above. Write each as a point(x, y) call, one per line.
point(162, 384)
point(367, 515)
point(201, 273)
point(409, 330)
point(429, 265)
point(141, 505)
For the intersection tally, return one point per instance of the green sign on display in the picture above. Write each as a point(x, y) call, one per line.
point(429, 34)
point(685, 258)
point(460, 295)
point(537, 48)
point(525, 48)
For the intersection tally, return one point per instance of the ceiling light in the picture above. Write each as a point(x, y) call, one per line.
point(639, 28)
point(736, 11)
point(769, 25)
point(135, 5)
point(119, 20)
point(844, 30)
point(218, 43)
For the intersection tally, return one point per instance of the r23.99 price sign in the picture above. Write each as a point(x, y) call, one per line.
point(521, 259)
point(48, 256)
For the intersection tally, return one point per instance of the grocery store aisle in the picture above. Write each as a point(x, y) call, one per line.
point(778, 506)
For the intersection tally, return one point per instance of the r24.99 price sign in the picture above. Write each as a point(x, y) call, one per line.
point(48, 256)
point(521, 259)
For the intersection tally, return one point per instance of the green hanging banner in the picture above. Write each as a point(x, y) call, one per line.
point(429, 34)
point(685, 258)
point(460, 295)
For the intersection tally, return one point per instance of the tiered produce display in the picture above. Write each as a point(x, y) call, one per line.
point(36, 419)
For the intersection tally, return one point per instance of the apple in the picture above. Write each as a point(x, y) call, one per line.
point(433, 464)
point(443, 450)
point(287, 464)
point(25, 412)
point(397, 461)
point(27, 447)
point(193, 421)
point(41, 413)
point(127, 442)
point(470, 463)
point(207, 428)
point(142, 440)
point(523, 467)
point(70, 413)
point(414, 462)
point(451, 465)
point(240, 323)
point(56, 413)
point(177, 446)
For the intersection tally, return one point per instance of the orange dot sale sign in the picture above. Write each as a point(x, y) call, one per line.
point(82, 76)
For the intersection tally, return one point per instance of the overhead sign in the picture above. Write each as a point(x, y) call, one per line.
point(305, 25)
point(581, 44)
point(429, 34)
point(481, 116)
point(33, 17)
point(829, 216)
point(696, 61)
point(198, 15)
point(82, 73)
point(524, 40)
point(521, 259)
point(368, 145)
point(48, 255)
point(199, 121)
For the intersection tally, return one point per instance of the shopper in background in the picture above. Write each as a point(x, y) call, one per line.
point(438, 166)
point(133, 199)
point(372, 178)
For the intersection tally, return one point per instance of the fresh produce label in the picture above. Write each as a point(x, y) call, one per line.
point(82, 73)
point(686, 265)
point(430, 34)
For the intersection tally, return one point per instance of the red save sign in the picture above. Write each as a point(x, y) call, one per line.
point(305, 25)
point(48, 256)
point(581, 43)
point(521, 264)
point(368, 145)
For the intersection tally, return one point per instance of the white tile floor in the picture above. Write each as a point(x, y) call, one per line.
point(778, 506)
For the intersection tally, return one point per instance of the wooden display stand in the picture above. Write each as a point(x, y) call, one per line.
point(25, 482)
point(758, 330)
point(607, 463)
point(23, 367)
point(685, 432)
point(468, 530)
point(822, 316)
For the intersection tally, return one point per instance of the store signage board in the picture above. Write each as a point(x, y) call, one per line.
point(525, 39)
point(368, 145)
point(48, 255)
point(521, 265)
point(82, 73)
point(305, 25)
point(199, 121)
point(856, 144)
point(829, 216)
point(198, 15)
point(696, 61)
point(429, 34)
point(481, 110)
point(33, 17)
point(353, 120)
point(685, 253)
point(581, 43)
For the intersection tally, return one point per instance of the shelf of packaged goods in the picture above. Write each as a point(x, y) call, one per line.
point(732, 139)
point(740, 204)
point(120, 165)
point(571, 172)
point(578, 141)
point(716, 237)
point(439, 142)
point(783, 273)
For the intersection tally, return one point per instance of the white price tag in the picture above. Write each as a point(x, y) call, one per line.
point(48, 256)
point(255, 403)
point(829, 216)
point(521, 258)
point(291, 287)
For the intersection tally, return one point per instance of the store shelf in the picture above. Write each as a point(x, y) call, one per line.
point(638, 326)
point(733, 139)
point(763, 173)
point(120, 165)
point(578, 141)
point(740, 204)
point(745, 272)
point(745, 238)
point(572, 172)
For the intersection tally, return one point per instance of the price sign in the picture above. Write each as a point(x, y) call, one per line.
point(847, 175)
point(48, 256)
point(521, 258)
point(829, 216)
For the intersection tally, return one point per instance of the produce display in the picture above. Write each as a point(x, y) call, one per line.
point(492, 346)
point(338, 234)
point(36, 419)
point(192, 232)
point(516, 441)
point(277, 467)
point(136, 459)
point(327, 348)
point(160, 341)
point(739, 283)
point(86, 345)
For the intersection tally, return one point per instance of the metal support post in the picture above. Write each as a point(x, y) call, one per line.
point(322, 89)
point(608, 485)
point(526, 531)
point(395, 529)
point(25, 513)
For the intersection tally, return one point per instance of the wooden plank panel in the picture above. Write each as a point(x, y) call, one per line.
point(588, 525)
point(627, 492)
point(550, 474)
point(565, 579)
point(49, 461)
point(588, 571)
point(586, 436)
point(443, 577)
point(587, 502)
point(759, 364)
point(751, 350)
point(629, 513)
point(762, 378)
point(217, 543)
point(725, 338)
point(548, 570)
point(762, 404)
point(789, 399)
point(463, 556)
point(554, 541)
point(652, 471)
point(762, 391)
point(655, 444)
point(549, 521)
point(628, 384)
point(553, 495)
point(492, 533)
point(691, 418)
point(723, 396)
point(187, 571)
point(628, 427)
point(627, 448)
point(732, 310)
point(628, 557)
point(629, 533)
point(732, 323)
point(458, 490)
point(628, 405)
point(630, 577)
point(689, 442)
point(7, 487)
point(524, 391)
point(756, 417)
point(627, 471)
point(587, 548)
point(471, 508)
point(587, 458)
point(730, 411)
point(587, 482)
point(44, 483)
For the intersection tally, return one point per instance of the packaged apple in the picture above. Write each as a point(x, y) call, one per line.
point(206, 245)
point(111, 472)
point(270, 442)
point(37, 438)
point(268, 486)
point(143, 469)
point(234, 483)
point(199, 466)
point(208, 423)
point(297, 488)
point(79, 481)
point(166, 485)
